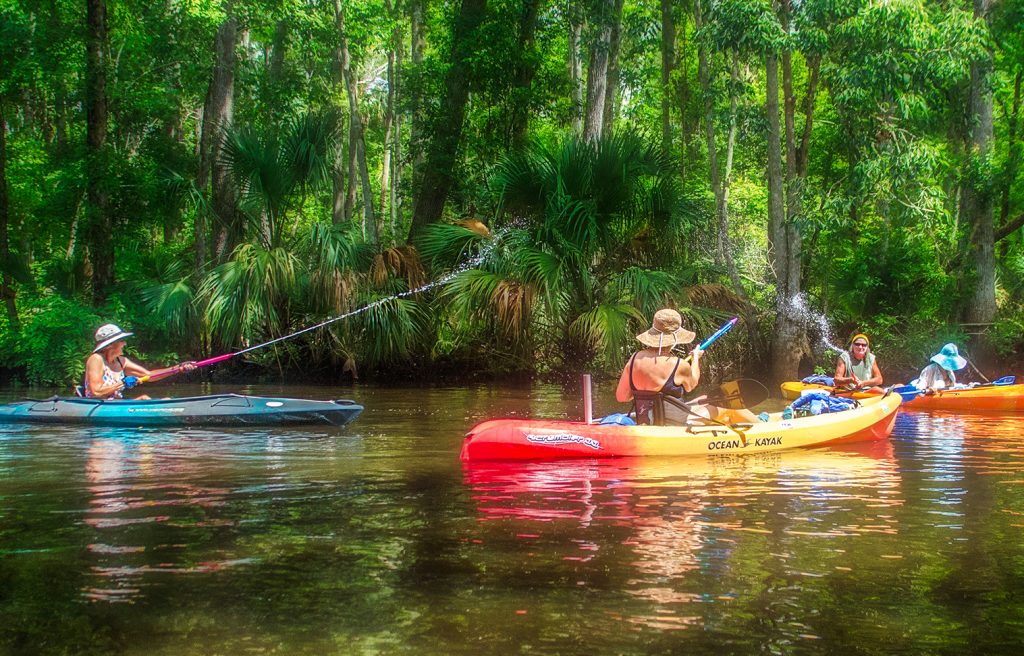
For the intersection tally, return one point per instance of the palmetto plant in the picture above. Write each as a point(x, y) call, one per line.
point(576, 270)
point(290, 270)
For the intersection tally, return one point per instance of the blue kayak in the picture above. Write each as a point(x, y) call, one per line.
point(213, 410)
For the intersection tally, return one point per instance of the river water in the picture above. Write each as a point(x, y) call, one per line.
point(375, 539)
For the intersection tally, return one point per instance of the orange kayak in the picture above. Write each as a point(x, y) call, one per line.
point(531, 439)
point(984, 397)
point(998, 397)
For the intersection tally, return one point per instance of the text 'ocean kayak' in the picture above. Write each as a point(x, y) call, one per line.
point(214, 410)
point(519, 439)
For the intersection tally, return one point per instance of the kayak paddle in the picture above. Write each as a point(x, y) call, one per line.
point(714, 337)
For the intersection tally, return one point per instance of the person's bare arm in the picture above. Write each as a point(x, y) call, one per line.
point(688, 373)
point(94, 377)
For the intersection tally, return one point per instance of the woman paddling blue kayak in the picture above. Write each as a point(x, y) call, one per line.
point(108, 372)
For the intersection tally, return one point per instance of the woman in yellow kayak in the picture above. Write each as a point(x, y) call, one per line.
point(858, 367)
point(108, 372)
point(656, 370)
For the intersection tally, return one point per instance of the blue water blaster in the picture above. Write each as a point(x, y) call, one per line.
point(721, 331)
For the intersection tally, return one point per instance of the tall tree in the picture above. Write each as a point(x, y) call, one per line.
point(218, 115)
point(977, 199)
point(101, 225)
point(357, 128)
point(789, 341)
point(6, 283)
point(668, 62)
point(597, 73)
point(525, 70)
point(437, 178)
point(575, 15)
point(611, 101)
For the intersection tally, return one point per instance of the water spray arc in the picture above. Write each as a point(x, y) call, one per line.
point(471, 263)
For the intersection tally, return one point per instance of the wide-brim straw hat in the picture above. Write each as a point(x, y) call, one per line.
point(107, 334)
point(666, 331)
point(949, 358)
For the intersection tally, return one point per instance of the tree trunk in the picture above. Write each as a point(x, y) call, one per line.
point(418, 44)
point(597, 73)
point(218, 113)
point(668, 62)
point(389, 128)
point(100, 223)
point(576, 66)
point(278, 50)
point(6, 284)
point(977, 202)
point(351, 166)
point(439, 170)
point(390, 121)
point(687, 128)
point(611, 98)
point(341, 206)
point(356, 127)
point(1013, 159)
point(788, 332)
point(394, 207)
point(526, 69)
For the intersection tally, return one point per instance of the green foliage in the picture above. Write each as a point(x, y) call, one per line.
point(590, 238)
point(54, 340)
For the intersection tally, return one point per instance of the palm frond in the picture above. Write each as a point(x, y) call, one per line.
point(445, 245)
point(308, 147)
point(606, 326)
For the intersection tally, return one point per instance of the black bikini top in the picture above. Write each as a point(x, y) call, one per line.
point(669, 388)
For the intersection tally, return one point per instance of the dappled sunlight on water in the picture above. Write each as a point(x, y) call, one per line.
point(376, 539)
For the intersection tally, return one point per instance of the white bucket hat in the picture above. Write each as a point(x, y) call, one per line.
point(107, 334)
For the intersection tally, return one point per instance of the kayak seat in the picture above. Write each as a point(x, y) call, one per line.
point(657, 409)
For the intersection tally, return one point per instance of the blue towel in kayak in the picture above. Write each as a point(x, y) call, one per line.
point(819, 379)
point(819, 402)
point(618, 419)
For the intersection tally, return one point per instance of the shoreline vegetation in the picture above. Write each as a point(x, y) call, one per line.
point(546, 175)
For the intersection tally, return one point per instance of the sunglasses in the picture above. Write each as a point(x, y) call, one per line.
point(860, 345)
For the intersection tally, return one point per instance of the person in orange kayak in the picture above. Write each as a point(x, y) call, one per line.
point(858, 367)
point(939, 374)
point(108, 372)
point(656, 370)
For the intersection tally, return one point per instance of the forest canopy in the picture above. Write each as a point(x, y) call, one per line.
point(513, 187)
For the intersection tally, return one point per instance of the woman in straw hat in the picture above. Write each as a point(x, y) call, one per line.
point(656, 369)
point(108, 372)
point(940, 373)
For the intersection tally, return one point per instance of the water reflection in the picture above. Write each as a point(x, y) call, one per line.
point(624, 489)
point(688, 527)
point(376, 539)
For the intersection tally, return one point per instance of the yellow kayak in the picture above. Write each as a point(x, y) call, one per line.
point(791, 390)
point(526, 439)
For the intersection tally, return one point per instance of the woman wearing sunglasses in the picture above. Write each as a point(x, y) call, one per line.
point(858, 367)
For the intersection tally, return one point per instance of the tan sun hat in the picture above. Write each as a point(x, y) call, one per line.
point(107, 334)
point(666, 331)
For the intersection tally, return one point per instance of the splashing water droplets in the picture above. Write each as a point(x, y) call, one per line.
point(798, 306)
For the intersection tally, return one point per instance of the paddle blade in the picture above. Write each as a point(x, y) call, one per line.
point(742, 393)
point(908, 392)
point(1005, 380)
